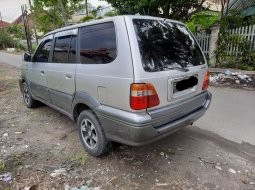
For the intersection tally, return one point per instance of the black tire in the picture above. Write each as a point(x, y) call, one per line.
point(91, 134)
point(27, 97)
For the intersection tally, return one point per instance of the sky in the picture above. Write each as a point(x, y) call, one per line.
point(11, 9)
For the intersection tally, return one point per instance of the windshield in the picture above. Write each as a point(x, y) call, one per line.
point(165, 45)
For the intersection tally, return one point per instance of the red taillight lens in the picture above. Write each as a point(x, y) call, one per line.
point(143, 96)
point(206, 80)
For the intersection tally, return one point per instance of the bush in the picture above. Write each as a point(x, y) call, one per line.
point(34, 46)
point(99, 17)
point(111, 13)
point(87, 18)
point(22, 47)
point(6, 41)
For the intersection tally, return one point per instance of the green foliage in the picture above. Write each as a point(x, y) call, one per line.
point(22, 47)
point(94, 12)
point(99, 17)
point(246, 57)
point(236, 20)
point(175, 9)
point(6, 40)
point(202, 21)
point(87, 18)
point(16, 30)
point(34, 46)
point(111, 13)
point(48, 13)
point(93, 15)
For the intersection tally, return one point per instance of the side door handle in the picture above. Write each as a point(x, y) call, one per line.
point(68, 76)
point(42, 72)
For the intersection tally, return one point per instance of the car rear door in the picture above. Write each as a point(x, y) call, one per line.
point(61, 70)
point(37, 70)
point(166, 54)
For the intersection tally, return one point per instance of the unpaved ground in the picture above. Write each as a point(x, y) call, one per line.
point(35, 142)
point(233, 81)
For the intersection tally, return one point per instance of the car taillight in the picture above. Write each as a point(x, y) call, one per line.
point(206, 80)
point(143, 96)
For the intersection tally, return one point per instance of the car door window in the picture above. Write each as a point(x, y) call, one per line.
point(60, 54)
point(64, 50)
point(98, 43)
point(43, 53)
point(72, 50)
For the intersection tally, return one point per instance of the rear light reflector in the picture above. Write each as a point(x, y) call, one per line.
point(143, 96)
point(206, 80)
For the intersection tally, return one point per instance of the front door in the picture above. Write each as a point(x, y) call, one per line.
point(61, 71)
point(37, 70)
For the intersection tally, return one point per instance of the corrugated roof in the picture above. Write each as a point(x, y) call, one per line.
point(245, 7)
point(249, 11)
point(240, 4)
point(4, 24)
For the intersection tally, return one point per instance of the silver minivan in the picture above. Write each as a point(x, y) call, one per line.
point(126, 79)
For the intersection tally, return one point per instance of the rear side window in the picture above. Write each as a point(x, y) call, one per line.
point(165, 45)
point(64, 50)
point(98, 43)
point(43, 53)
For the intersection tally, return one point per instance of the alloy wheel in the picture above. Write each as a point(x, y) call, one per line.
point(89, 133)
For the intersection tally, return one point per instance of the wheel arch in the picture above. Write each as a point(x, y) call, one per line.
point(23, 78)
point(83, 101)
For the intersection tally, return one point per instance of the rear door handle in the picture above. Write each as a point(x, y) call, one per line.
point(68, 76)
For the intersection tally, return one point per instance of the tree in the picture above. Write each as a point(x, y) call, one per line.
point(224, 7)
point(175, 9)
point(94, 12)
point(202, 21)
point(16, 30)
point(52, 14)
point(6, 40)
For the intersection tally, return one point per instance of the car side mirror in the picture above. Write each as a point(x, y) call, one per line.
point(27, 57)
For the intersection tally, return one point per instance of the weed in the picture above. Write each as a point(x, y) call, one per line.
point(75, 160)
point(2, 166)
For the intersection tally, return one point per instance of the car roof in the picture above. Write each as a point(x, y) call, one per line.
point(107, 19)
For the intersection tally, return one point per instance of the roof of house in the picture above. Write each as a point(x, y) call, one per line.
point(20, 19)
point(4, 24)
point(249, 11)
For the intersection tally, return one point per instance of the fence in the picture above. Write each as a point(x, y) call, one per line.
point(203, 40)
point(248, 32)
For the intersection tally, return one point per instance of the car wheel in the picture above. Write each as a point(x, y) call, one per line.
point(91, 134)
point(29, 101)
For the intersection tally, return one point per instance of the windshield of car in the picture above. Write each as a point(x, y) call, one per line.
point(166, 45)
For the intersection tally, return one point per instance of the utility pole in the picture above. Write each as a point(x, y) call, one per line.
point(86, 7)
point(26, 27)
point(32, 17)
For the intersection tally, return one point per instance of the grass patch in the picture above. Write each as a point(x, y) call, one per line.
point(74, 161)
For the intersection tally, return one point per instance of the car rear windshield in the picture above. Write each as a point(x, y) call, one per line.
point(165, 45)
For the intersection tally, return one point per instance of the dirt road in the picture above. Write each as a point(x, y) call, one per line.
point(36, 142)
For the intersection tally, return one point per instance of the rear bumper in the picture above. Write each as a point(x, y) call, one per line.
point(138, 129)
